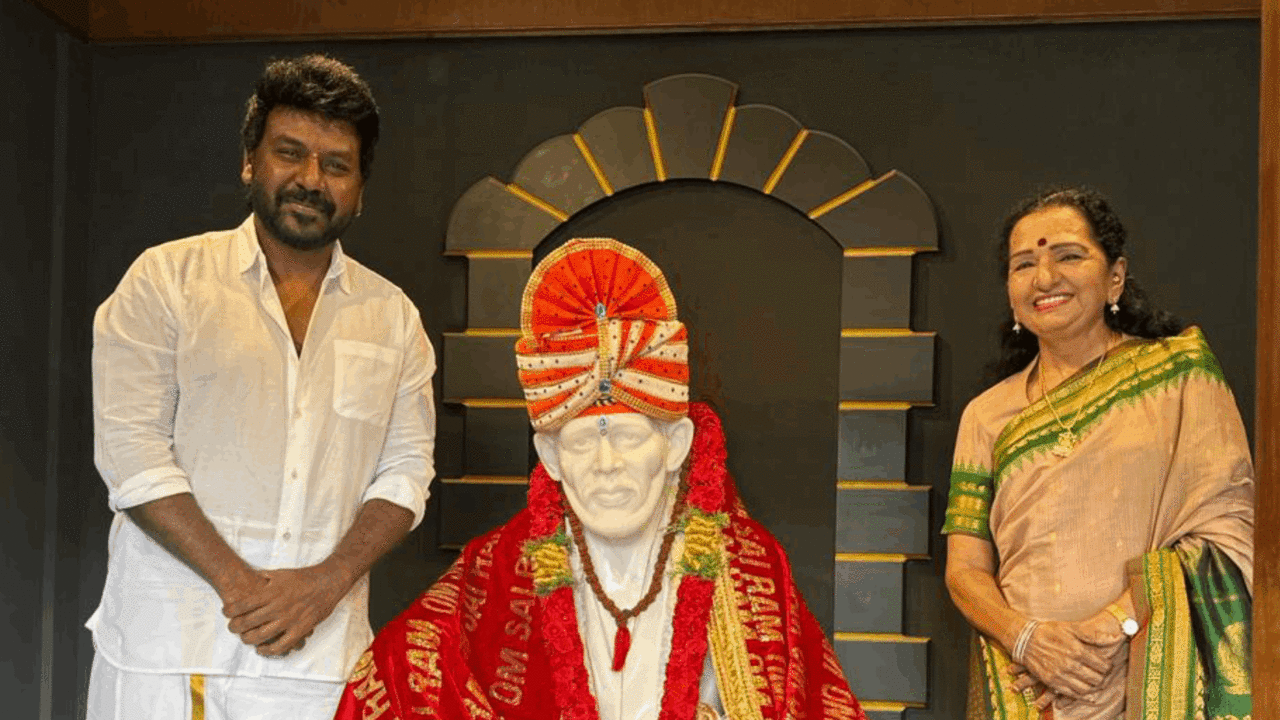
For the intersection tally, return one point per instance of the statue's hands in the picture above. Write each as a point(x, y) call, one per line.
point(282, 614)
point(1062, 656)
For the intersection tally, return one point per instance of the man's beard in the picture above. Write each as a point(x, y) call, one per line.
point(324, 230)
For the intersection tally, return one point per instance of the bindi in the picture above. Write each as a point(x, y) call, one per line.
point(1041, 242)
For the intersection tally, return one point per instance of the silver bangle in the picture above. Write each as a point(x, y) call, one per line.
point(1024, 637)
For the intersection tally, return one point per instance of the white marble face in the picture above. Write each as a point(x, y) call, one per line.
point(616, 469)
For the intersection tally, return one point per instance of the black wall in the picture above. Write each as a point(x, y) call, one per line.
point(26, 44)
point(1160, 116)
point(44, 122)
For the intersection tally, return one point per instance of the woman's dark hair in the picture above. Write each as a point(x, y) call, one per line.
point(1136, 316)
point(318, 84)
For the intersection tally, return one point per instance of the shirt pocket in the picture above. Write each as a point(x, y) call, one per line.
point(363, 380)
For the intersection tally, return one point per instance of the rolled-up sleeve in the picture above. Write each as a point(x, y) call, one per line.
point(135, 389)
point(405, 467)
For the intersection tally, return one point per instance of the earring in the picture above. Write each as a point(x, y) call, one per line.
point(1115, 307)
point(1017, 326)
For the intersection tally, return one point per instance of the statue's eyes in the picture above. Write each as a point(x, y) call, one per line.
point(627, 439)
point(581, 443)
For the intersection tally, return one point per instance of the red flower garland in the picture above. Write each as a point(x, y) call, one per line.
point(710, 491)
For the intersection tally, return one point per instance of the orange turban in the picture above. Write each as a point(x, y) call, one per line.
point(599, 334)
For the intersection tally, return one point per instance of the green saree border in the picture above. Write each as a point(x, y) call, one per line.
point(1137, 369)
point(969, 502)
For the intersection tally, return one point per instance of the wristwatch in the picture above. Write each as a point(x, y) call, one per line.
point(1127, 624)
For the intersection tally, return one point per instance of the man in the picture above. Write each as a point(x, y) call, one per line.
point(264, 422)
point(634, 585)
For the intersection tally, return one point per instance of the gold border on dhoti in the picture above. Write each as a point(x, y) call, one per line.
point(197, 697)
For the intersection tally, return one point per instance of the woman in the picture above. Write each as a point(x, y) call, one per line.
point(1100, 520)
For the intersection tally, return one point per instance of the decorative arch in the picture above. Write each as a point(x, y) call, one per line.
point(690, 128)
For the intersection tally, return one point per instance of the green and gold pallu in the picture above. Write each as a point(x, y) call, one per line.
point(1191, 659)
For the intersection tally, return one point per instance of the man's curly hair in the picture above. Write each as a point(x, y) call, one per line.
point(318, 84)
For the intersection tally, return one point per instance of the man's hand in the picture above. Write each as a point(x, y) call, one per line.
point(280, 616)
point(239, 585)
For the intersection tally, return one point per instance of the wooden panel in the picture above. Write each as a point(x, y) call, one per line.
point(1266, 608)
point(688, 115)
point(497, 441)
point(887, 368)
point(872, 520)
point(883, 714)
point(471, 509)
point(873, 445)
point(894, 212)
point(557, 173)
point(877, 292)
point(868, 596)
point(480, 366)
point(824, 166)
point(214, 20)
point(760, 138)
point(892, 669)
point(620, 144)
point(495, 286)
point(489, 217)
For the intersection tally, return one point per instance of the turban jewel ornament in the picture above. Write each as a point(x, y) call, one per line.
point(599, 335)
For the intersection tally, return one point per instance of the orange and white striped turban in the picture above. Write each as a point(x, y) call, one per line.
point(599, 335)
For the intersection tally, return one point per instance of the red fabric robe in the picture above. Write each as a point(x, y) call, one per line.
point(483, 643)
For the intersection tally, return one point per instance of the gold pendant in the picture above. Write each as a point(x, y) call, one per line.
point(1066, 442)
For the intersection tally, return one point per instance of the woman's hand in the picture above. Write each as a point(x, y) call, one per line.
point(1072, 659)
point(1023, 681)
point(1102, 630)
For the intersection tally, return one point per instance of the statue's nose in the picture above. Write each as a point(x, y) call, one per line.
point(606, 458)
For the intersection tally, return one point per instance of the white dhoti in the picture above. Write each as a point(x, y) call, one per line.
point(116, 694)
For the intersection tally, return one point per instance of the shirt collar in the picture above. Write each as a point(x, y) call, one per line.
point(338, 268)
point(248, 256)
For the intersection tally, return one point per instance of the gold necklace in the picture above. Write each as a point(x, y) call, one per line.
point(1067, 438)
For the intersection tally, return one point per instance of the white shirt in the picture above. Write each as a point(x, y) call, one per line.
point(197, 388)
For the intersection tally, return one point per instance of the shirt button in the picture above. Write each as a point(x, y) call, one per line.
point(297, 414)
point(294, 475)
point(287, 535)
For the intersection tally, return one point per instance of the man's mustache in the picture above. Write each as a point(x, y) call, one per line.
point(310, 198)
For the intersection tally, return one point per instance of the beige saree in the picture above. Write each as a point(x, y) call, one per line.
point(1161, 463)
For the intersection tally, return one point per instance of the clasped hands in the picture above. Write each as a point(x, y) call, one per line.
point(276, 610)
point(1071, 660)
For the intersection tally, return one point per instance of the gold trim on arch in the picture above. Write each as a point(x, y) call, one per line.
point(776, 176)
point(655, 148)
point(596, 170)
point(843, 198)
point(537, 202)
point(722, 147)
